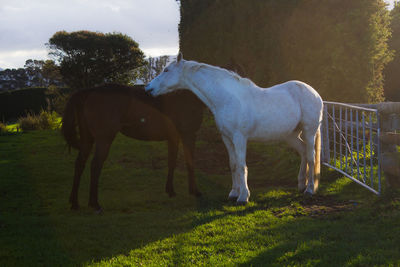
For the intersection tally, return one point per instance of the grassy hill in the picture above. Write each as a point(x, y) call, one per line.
point(343, 225)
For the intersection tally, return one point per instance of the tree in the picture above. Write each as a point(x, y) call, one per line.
point(36, 73)
point(337, 46)
point(92, 58)
point(152, 68)
point(51, 74)
point(33, 69)
point(392, 77)
point(11, 79)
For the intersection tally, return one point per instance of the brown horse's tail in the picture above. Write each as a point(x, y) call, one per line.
point(69, 128)
point(317, 162)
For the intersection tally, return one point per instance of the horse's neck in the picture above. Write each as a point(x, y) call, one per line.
point(213, 91)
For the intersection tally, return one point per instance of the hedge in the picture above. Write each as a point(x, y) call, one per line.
point(17, 103)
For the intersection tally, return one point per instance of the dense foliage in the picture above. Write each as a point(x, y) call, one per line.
point(13, 78)
point(152, 68)
point(392, 77)
point(17, 103)
point(91, 58)
point(337, 46)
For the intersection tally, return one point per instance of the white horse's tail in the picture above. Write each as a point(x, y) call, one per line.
point(317, 162)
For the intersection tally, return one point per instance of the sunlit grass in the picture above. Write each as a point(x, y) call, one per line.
point(12, 128)
point(338, 185)
point(362, 166)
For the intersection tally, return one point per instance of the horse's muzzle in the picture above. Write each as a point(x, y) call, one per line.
point(149, 90)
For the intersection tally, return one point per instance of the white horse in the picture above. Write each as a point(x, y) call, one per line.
point(291, 111)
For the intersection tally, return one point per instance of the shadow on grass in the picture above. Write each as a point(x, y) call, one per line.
point(25, 235)
point(37, 228)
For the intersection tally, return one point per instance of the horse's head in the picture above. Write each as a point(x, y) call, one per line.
point(168, 80)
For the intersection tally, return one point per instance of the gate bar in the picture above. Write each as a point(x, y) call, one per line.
point(365, 122)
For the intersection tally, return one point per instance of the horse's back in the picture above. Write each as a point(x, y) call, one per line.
point(309, 100)
point(135, 113)
point(184, 109)
point(104, 107)
point(297, 92)
point(275, 114)
point(278, 110)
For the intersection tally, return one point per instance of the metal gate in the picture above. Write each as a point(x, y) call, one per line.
point(350, 143)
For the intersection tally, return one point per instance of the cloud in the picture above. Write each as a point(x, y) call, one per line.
point(17, 58)
point(28, 25)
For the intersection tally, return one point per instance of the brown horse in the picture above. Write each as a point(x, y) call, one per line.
point(100, 113)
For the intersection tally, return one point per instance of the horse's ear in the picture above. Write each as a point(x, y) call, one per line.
point(180, 57)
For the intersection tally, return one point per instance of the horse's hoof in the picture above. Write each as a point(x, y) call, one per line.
point(196, 193)
point(96, 207)
point(99, 211)
point(232, 198)
point(302, 189)
point(241, 203)
point(74, 207)
point(308, 195)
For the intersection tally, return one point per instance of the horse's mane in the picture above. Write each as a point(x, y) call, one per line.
point(194, 66)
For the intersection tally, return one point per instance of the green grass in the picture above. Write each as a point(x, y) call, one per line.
point(344, 225)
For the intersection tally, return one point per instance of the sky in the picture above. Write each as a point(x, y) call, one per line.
point(26, 25)
point(391, 3)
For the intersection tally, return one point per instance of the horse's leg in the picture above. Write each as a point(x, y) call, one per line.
point(84, 152)
point(189, 144)
point(309, 139)
point(240, 147)
point(101, 153)
point(298, 144)
point(173, 144)
point(234, 194)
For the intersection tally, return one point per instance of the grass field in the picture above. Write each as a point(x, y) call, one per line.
point(344, 225)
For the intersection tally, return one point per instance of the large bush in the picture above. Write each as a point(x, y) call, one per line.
point(337, 46)
point(43, 121)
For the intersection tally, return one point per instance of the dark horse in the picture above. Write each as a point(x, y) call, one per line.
point(100, 113)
